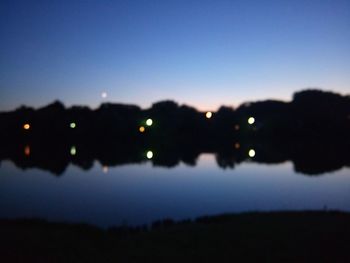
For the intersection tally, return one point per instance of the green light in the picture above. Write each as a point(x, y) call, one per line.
point(73, 150)
point(149, 122)
point(72, 125)
point(149, 155)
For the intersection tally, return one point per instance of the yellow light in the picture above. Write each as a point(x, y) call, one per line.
point(149, 155)
point(26, 126)
point(27, 150)
point(73, 150)
point(251, 153)
point(251, 120)
point(72, 125)
point(142, 129)
point(149, 122)
point(209, 114)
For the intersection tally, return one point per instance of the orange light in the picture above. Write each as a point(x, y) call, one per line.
point(142, 129)
point(27, 150)
point(237, 145)
point(26, 126)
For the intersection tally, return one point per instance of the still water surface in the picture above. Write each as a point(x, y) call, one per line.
point(141, 193)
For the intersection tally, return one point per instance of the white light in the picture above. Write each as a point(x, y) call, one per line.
point(251, 120)
point(73, 150)
point(251, 153)
point(149, 122)
point(104, 95)
point(149, 154)
point(72, 125)
point(209, 114)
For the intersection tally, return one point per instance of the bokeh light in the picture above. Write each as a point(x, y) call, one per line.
point(209, 114)
point(27, 150)
point(142, 129)
point(149, 122)
point(251, 120)
point(104, 95)
point(251, 153)
point(72, 125)
point(26, 126)
point(149, 155)
point(73, 150)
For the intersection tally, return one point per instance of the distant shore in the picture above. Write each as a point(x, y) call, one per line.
point(306, 236)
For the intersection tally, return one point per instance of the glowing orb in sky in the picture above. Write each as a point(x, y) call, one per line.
point(104, 95)
point(72, 125)
point(209, 114)
point(26, 126)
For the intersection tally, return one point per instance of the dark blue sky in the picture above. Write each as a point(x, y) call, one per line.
point(203, 53)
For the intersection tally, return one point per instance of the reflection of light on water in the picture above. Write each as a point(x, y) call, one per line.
point(251, 153)
point(26, 126)
point(105, 169)
point(72, 125)
point(149, 122)
point(142, 129)
point(73, 150)
point(209, 114)
point(27, 150)
point(251, 120)
point(149, 155)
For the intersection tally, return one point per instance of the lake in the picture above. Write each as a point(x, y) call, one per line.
point(140, 193)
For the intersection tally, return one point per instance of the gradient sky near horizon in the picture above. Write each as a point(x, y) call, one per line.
point(204, 53)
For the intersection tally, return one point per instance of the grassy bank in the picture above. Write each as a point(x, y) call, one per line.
point(255, 237)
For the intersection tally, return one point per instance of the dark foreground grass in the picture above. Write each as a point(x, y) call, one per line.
point(249, 237)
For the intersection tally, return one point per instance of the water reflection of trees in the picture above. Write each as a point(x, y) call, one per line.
point(308, 157)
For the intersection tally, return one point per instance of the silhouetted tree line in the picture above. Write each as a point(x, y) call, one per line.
point(304, 236)
point(310, 113)
point(312, 131)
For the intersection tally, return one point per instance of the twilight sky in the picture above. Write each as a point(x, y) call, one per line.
point(204, 53)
